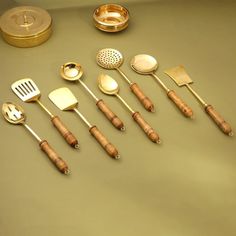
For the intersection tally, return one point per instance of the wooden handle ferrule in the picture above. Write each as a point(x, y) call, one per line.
point(67, 135)
point(149, 131)
point(53, 156)
point(183, 107)
point(107, 146)
point(146, 102)
point(110, 115)
point(218, 119)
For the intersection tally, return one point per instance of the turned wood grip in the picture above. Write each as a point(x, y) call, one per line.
point(183, 107)
point(110, 115)
point(67, 135)
point(107, 146)
point(149, 131)
point(216, 117)
point(146, 102)
point(53, 156)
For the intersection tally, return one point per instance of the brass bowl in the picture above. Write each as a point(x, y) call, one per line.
point(111, 17)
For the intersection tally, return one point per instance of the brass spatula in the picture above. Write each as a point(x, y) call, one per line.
point(28, 91)
point(181, 78)
point(65, 100)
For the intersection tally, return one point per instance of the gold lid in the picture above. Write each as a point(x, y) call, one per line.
point(26, 26)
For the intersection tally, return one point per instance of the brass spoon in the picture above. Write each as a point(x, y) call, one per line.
point(110, 87)
point(14, 114)
point(147, 65)
point(72, 71)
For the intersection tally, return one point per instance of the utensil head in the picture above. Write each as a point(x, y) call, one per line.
point(71, 71)
point(13, 113)
point(64, 99)
point(109, 58)
point(144, 64)
point(26, 90)
point(179, 75)
point(107, 84)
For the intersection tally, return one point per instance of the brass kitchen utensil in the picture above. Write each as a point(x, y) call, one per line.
point(65, 100)
point(147, 65)
point(181, 78)
point(72, 71)
point(109, 86)
point(26, 26)
point(111, 18)
point(28, 91)
point(14, 114)
point(110, 59)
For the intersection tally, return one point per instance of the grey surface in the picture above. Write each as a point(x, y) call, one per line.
point(185, 187)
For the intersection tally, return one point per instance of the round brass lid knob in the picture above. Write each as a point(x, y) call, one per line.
point(26, 26)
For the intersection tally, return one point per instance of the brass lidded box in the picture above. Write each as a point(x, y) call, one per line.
point(26, 26)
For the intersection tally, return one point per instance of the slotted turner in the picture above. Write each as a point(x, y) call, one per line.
point(28, 91)
point(65, 100)
point(181, 78)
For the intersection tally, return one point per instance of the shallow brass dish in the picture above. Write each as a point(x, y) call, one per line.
point(111, 17)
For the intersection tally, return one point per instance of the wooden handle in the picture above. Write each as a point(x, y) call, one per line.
point(110, 115)
point(216, 117)
point(67, 135)
point(146, 102)
point(107, 146)
point(183, 107)
point(149, 131)
point(53, 156)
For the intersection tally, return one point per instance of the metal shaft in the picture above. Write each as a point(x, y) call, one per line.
point(32, 132)
point(124, 76)
point(196, 95)
point(125, 103)
point(45, 109)
point(82, 117)
point(88, 90)
point(160, 82)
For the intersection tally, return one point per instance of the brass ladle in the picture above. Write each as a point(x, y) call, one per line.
point(109, 86)
point(14, 114)
point(72, 71)
point(147, 65)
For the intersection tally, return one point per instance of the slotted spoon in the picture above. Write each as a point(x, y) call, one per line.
point(110, 59)
point(65, 100)
point(28, 91)
point(14, 114)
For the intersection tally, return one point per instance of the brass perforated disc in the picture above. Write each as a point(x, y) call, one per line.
point(26, 26)
point(109, 58)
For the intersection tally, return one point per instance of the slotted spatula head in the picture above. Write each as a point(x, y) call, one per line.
point(26, 90)
point(179, 75)
point(64, 99)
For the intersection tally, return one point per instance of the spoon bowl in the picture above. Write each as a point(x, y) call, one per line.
point(71, 71)
point(14, 114)
point(108, 85)
point(144, 64)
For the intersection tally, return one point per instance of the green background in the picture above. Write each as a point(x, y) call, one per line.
point(184, 187)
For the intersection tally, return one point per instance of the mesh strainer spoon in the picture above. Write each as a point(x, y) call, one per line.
point(14, 114)
point(147, 65)
point(110, 59)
